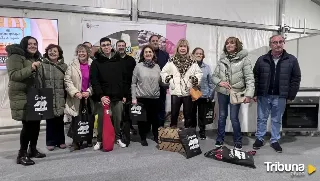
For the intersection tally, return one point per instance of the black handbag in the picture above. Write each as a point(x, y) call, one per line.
point(138, 113)
point(209, 112)
point(39, 101)
point(190, 142)
point(81, 127)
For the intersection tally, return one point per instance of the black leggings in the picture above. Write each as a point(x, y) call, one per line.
point(187, 110)
point(152, 110)
point(29, 134)
point(199, 109)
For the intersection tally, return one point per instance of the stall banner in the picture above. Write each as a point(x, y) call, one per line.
point(12, 30)
point(136, 35)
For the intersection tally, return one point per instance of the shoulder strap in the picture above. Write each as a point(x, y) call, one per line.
point(59, 68)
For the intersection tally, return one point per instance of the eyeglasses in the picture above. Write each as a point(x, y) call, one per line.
point(278, 42)
point(105, 45)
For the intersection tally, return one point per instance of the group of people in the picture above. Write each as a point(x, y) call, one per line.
point(111, 77)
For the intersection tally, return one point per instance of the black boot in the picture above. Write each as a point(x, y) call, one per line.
point(202, 134)
point(24, 159)
point(75, 146)
point(34, 153)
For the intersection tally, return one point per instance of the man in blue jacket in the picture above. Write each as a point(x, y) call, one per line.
point(277, 80)
point(162, 58)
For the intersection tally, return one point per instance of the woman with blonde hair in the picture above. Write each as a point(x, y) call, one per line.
point(78, 86)
point(233, 71)
point(181, 73)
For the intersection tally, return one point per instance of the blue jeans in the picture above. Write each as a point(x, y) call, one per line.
point(224, 102)
point(276, 106)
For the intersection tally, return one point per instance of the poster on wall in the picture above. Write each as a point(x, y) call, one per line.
point(136, 35)
point(12, 30)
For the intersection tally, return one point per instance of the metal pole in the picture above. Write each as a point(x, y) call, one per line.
point(134, 10)
point(281, 17)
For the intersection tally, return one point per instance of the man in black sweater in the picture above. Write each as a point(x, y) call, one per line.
point(109, 83)
point(129, 63)
point(277, 80)
point(162, 59)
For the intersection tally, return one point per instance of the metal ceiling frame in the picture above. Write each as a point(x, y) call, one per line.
point(316, 1)
point(15, 4)
point(206, 21)
point(135, 14)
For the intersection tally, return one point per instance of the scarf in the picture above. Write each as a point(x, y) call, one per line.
point(231, 56)
point(183, 63)
point(200, 63)
point(149, 63)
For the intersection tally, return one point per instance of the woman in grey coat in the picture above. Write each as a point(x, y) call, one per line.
point(52, 70)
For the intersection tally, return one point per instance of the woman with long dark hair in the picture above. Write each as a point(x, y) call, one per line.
point(145, 89)
point(22, 64)
point(52, 71)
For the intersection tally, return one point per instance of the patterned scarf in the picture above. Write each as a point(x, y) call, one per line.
point(149, 63)
point(231, 56)
point(183, 63)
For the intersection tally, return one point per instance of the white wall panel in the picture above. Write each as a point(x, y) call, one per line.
point(306, 49)
point(111, 4)
point(299, 10)
point(233, 10)
point(70, 35)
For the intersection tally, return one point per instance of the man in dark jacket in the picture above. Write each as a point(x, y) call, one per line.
point(162, 59)
point(129, 63)
point(277, 80)
point(109, 82)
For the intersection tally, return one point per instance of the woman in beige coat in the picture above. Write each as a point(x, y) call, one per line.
point(77, 85)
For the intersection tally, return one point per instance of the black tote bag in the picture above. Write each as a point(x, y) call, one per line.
point(138, 113)
point(81, 127)
point(39, 101)
point(209, 112)
point(190, 142)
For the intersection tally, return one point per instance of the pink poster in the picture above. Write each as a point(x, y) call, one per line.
point(174, 32)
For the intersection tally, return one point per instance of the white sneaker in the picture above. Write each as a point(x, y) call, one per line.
point(97, 146)
point(121, 144)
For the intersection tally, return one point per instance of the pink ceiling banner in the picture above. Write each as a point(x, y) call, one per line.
point(174, 32)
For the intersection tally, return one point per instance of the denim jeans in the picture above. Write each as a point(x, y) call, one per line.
point(276, 106)
point(224, 102)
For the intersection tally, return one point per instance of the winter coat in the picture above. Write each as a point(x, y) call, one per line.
point(240, 74)
point(73, 83)
point(285, 76)
point(54, 78)
point(21, 79)
point(179, 84)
